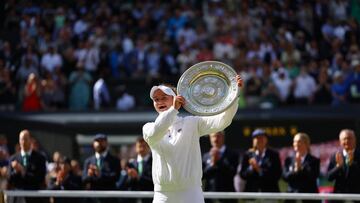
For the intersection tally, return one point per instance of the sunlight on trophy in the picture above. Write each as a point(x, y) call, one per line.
point(209, 88)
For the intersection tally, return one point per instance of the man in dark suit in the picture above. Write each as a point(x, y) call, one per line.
point(65, 180)
point(261, 166)
point(102, 169)
point(219, 166)
point(137, 175)
point(344, 166)
point(302, 169)
point(27, 168)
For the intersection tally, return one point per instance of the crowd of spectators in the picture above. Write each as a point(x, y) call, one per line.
point(96, 54)
point(258, 169)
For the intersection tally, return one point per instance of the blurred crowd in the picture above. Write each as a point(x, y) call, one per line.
point(99, 54)
point(258, 169)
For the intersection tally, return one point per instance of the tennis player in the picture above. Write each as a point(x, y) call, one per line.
point(175, 146)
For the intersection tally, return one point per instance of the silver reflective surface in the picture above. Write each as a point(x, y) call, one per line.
point(209, 88)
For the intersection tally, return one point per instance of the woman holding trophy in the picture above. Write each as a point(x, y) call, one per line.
point(174, 140)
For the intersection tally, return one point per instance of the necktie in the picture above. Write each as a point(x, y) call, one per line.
point(258, 158)
point(140, 167)
point(347, 160)
point(25, 159)
point(99, 162)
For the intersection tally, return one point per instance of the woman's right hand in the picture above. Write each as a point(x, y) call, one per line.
point(239, 81)
point(178, 102)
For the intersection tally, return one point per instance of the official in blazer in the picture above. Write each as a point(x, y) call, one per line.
point(344, 166)
point(302, 170)
point(27, 168)
point(219, 166)
point(261, 166)
point(65, 180)
point(101, 171)
point(136, 176)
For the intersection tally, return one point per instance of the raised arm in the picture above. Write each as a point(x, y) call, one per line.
point(211, 124)
point(155, 131)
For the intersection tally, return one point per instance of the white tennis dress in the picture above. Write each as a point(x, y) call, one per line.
point(175, 147)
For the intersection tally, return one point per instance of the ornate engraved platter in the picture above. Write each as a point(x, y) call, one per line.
point(208, 87)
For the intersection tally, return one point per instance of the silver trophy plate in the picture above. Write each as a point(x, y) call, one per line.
point(209, 88)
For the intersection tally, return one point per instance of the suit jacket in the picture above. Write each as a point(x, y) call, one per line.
point(35, 171)
point(304, 180)
point(267, 179)
point(109, 173)
point(347, 178)
point(220, 176)
point(143, 183)
point(71, 182)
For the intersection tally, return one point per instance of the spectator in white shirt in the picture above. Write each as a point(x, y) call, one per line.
point(304, 87)
point(51, 60)
point(125, 101)
point(89, 55)
point(283, 84)
point(189, 35)
point(276, 65)
point(81, 25)
point(186, 59)
point(101, 94)
point(223, 47)
point(152, 61)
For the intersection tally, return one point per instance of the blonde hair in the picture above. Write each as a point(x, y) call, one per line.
point(305, 138)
